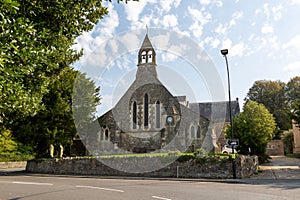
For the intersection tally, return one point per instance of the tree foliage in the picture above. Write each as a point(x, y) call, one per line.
point(54, 124)
point(272, 95)
point(36, 38)
point(287, 138)
point(293, 97)
point(254, 128)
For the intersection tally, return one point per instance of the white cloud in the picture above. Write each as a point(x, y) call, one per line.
point(109, 24)
point(169, 21)
point(267, 28)
point(294, 2)
point(294, 42)
point(221, 29)
point(199, 16)
point(162, 41)
point(226, 44)
point(277, 12)
point(200, 19)
point(293, 68)
point(166, 5)
point(236, 16)
point(196, 29)
point(219, 4)
point(130, 41)
point(133, 9)
point(213, 42)
point(234, 50)
point(205, 2)
point(168, 57)
point(176, 3)
point(237, 50)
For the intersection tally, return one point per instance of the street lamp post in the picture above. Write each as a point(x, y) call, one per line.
point(224, 52)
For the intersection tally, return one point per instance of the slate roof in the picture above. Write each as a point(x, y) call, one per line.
point(216, 110)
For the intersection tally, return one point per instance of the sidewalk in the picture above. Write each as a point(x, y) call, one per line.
point(280, 167)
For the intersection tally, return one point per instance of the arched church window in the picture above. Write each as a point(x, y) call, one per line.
point(192, 132)
point(106, 134)
point(150, 57)
point(198, 132)
point(146, 110)
point(157, 105)
point(144, 57)
point(134, 110)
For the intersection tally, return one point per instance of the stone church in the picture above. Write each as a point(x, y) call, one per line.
point(148, 118)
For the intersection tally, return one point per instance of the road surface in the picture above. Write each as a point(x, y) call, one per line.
point(15, 186)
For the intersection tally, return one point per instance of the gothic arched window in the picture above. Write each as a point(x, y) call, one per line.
point(150, 57)
point(146, 110)
point(192, 132)
point(106, 134)
point(157, 108)
point(198, 132)
point(144, 57)
point(134, 108)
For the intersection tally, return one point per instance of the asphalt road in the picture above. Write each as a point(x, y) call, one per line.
point(15, 186)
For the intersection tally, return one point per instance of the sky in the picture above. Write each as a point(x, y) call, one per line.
point(262, 37)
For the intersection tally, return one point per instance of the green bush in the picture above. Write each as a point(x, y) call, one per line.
point(186, 157)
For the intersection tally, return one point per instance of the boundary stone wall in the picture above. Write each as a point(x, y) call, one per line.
point(210, 167)
point(5, 165)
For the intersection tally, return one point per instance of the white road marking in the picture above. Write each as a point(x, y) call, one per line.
point(32, 183)
point(156, 197)
point(99, 188)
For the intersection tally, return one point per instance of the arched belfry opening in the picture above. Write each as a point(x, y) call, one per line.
point(147, 53)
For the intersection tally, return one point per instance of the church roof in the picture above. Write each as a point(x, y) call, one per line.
point(146, 43)
point(218, 108)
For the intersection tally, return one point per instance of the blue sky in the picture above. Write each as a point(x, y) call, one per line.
point(263, 38)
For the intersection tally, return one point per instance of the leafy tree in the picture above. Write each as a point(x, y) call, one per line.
point(55, 123)
point(36, 38)
point(287, 138)
point(272, 95)
point(254, 128)
point(293, 97)
point(7, 144)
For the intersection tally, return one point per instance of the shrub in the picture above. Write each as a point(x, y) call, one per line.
point(186, 157)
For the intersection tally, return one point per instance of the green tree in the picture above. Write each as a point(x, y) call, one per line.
point(36, 38)
point(272, 95)
point(293, 97)
point(254, 128)
point(54, 124)
point(287, 138)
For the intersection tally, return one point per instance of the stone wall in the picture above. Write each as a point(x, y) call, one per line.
point(5, 165)
point(275, 148)
point(210, 167)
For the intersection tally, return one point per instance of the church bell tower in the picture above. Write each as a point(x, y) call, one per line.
point(146, 59)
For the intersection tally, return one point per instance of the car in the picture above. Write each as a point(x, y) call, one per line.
point(228, 149)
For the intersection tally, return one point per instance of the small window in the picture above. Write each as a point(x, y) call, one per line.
point(198, 132)
point(157, 114)
point(106, 134)
point(192, 132)
point(134, 108)
point(146, 111)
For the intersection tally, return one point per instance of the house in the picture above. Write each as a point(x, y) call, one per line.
point(148, 118)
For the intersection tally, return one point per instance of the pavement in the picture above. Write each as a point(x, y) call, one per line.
point(279, 167)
